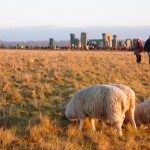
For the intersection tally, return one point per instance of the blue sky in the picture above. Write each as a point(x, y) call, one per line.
point(77, 13)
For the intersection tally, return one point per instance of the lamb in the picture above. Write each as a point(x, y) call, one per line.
point(142, 113)
point(130, 104)
point(98, 102)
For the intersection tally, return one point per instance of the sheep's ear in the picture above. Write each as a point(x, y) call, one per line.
point(64, 107)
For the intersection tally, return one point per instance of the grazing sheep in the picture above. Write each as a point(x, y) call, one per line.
point(98, 102)
point(130, 104)
point(142, 113)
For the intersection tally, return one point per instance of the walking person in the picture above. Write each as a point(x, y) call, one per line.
point(147, 48)
point(138, 50)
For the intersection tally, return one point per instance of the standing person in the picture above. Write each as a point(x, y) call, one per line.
point(147, 47)
point(138, 50)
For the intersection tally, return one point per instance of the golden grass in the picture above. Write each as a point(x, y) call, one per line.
point(34, 85)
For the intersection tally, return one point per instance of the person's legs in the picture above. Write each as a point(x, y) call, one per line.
point(139, 58)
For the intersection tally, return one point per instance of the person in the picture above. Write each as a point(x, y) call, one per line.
point(147, 48)
point(138, 50)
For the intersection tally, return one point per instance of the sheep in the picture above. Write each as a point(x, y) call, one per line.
point(98, 102)
point(142, 113)
point(130, 104)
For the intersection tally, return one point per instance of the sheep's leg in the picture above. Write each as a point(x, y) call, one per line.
point(130, 115)
point(132, 119)
point(80, 125)
point(102, 122)
point(119, 130)
point(93, 124)
point(133, 122)
point(118, 127)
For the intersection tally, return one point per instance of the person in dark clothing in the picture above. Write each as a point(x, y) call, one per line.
point(138, 50)
point(147, 48)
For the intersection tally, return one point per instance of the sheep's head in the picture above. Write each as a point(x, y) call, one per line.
point(71, 118)
point(70, 114)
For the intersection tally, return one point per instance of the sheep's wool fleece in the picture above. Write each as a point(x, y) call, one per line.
point(142, 113)
point(98, 101)
point(130, 94)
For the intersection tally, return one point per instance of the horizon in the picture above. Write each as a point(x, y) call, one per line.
point(42, 33)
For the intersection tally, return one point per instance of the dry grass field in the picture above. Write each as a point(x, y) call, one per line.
point(34, 85)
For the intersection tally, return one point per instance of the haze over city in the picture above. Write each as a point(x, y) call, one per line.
point(39, 20)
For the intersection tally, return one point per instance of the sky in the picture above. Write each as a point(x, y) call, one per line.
point(20, 18)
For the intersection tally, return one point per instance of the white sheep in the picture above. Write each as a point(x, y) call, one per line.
point(130, 104)
point(142, 113)
point(98, 102)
